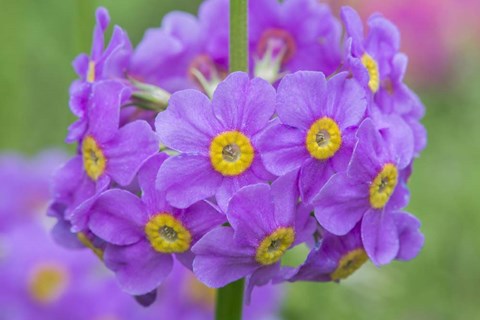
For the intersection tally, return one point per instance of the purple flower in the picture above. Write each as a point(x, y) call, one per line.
point(398, 99)
point(176, 56)
point(294, 35)
point(370, 58)
point(107, 153)
point(338, 257)
point(102, 64)
point(335, 259)
point(143, 234)
point(318, 119)
point(372, 190)
point(216, 140)
point(264, 223)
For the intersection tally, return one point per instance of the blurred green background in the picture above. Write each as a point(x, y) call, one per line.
point(39, 39)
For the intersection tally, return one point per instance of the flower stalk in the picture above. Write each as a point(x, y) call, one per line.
point(229, 304)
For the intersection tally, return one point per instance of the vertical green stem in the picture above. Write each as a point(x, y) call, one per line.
point(229, 303)
point(238, 36)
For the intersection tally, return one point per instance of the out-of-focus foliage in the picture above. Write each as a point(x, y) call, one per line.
point(40, 38)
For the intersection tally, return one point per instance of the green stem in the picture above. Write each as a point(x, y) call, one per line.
point(229, 303)
point(238, 36)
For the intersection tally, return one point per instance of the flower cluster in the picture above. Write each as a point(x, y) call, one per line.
point(51, 282)
point(225, 173)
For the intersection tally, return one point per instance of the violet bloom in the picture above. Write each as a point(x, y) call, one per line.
point(376, 62)
point(291, 36)
point(102, 64)
point(216, 140)
point(176, 56)
point(264, 223)
point(143, 234)
point(335, 259)
point(107, 152)
point(372, 190)
point(399, 99)
point(370, 58)
point(316, 134)
point(338, 257)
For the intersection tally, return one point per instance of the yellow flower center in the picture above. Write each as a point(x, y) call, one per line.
point(272, 248)
point(87, 243)
point(94, 161)
point(349, 263)
point(231, 153)
point(91, 72)
point(323, 139)
point(48, 282)
point(167, 234)
point(383, 186)
point(373, 73)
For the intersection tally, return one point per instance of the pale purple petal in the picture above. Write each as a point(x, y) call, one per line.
point(221, 260)
point(102, 22)
point(138, 268)
point(200, 218)
point(243, 104)
point(126, 152)
point(305, 225)
point(187, 179)
point(354, 29)
point(313, 176)
point(118, 217)
point(300, 97)
point(251, 213)
point(380, 236)
point(283, 149)
point(341, 204)
point(411, 239)
point(188, 125)
point(104, 109)
point(346, 101)
point(369, 155)
point(230, 185)
point(285, 195)
point(260, 277)
point(147, 176)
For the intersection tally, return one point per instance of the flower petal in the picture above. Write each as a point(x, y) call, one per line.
point(243, 104)
point(380, 236)
point(186, 179)
point(411, 239)
point(300, 97)
point(221, 260)
point(125, 153)
point(313, 176)
point(283, 149)
point(341, 204)
point(118, 217)
point(154, 201)
point(188, 125)
point(138, 268)
point(251, 213)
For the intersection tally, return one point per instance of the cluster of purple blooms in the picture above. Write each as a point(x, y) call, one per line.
point(224, 173)
point(51, 282)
